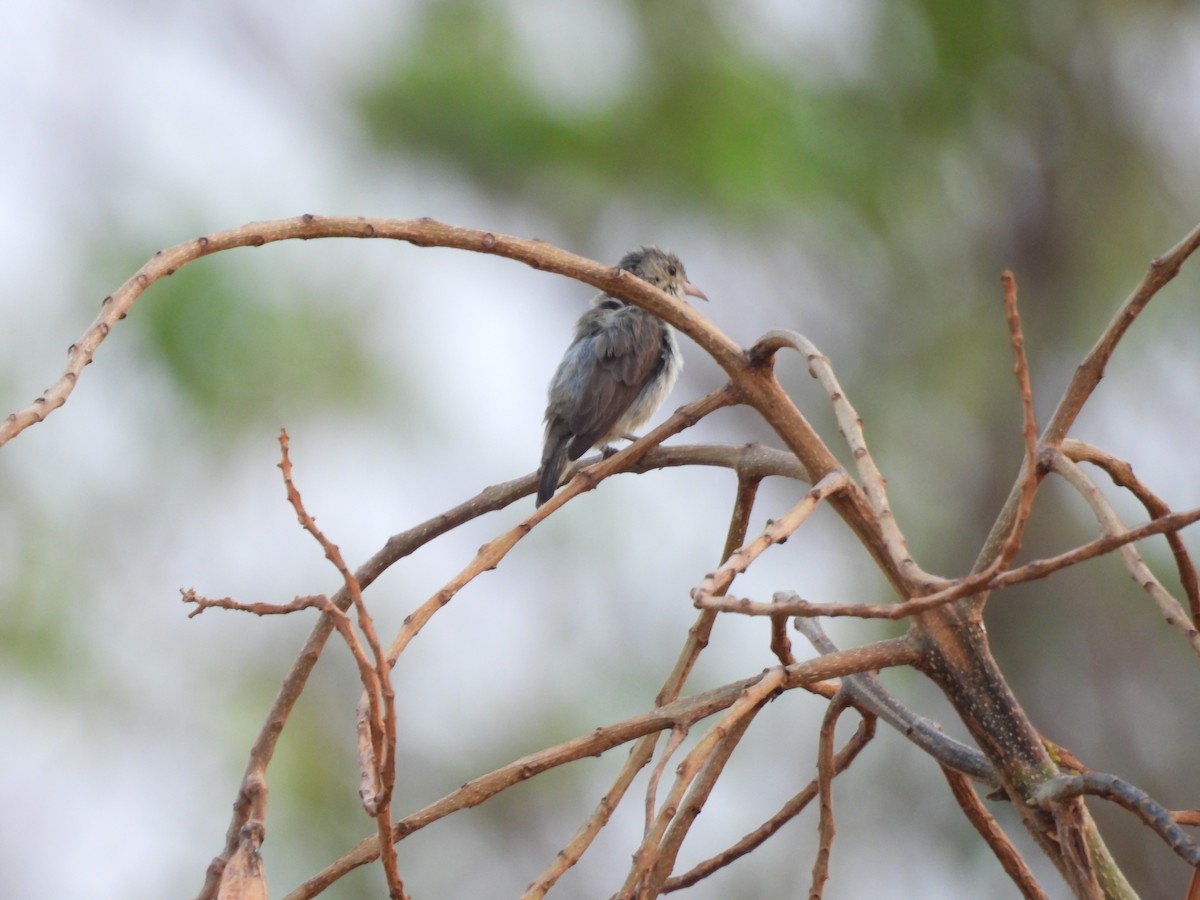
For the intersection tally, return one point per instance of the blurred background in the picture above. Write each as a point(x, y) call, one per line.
point(858, 170)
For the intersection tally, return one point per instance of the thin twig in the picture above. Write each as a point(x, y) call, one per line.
point(1110, 523)
point(777, 531)
point(900, 651)
point(781, 642)
point(993, 835)
point(377, 746)
point(697, 796)
point(201, 603)
point(826, 826)
point(641, 753)
point(1087, 375)
point(674, 742)
point(750, 842)
point(655, 854)
point(851, 427)
point(792, 604)
point(1122, 475)
point(1031, 476)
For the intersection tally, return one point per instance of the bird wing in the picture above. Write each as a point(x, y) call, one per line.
point(614, 354)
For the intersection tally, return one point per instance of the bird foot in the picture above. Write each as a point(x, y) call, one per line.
point(607, 451)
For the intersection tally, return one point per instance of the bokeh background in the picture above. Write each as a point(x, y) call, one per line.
point(859, 170)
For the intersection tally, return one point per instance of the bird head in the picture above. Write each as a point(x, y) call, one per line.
point(661, 269)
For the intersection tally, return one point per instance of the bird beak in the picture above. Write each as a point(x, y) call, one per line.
point(692, 291)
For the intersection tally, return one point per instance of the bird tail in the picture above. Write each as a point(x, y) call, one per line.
point(554, 460)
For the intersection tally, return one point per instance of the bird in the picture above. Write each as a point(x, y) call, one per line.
point(618, 370)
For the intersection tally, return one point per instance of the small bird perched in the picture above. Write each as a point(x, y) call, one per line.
point(618, 370)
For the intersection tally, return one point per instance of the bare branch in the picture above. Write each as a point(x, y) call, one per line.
point(871, 698)
point(792, 604)
point(202, 603)
point(1172, 610)
point(1088, 374)
point(1030, 477)
point(883, 654)
point(845, 756)
point(1134, 799)
point(826, 826)
point(776, 532)
point(420, 232)
point(991, 832)
point(653, 860)
point(377, 718)
point(1122, 475)
point(851, 426)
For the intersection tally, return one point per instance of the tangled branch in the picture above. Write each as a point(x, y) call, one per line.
point(945, 640)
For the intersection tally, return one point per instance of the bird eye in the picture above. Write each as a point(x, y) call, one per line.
point(672, 271)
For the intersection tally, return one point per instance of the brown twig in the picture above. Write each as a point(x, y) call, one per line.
point(378, 756)
point(900, 651)
point(377, 722)
point(781, 642)
point(826, 825)
point(790, 603)
point(652, 861)
point(1030, 475)
point(201, 603)
point(1122, 475)
point(1110, 524)
point(377, 747)
point(851, 427)
point(1088, 374)
point(747, 489)
point(861, 737)
point(993, 835)
point(674, 742)
point(697, 796)
point(777, 531)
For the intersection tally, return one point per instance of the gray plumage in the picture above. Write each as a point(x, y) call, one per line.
point(619, 369)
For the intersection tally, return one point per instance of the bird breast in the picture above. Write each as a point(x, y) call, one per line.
point(655, 390)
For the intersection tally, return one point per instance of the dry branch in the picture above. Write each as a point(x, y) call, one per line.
point(993, 835)
point(1132, 798)
point(1170, 608)
point(686, 711)
point(1122, 475)
point(748, 843)
point(946, 640)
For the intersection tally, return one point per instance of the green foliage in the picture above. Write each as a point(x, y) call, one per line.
point(238, 347)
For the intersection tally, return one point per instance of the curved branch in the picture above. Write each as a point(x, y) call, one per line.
point(1088, 374)
point(420, 232)
point(1110, 524)
point(871, 697)
point(851, 426)
point(1134, 799)
point(883, 654)
point(751, 841)
point(1122, 475)
point(641, 752)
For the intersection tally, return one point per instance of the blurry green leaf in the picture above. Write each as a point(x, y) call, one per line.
point(236, 350)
